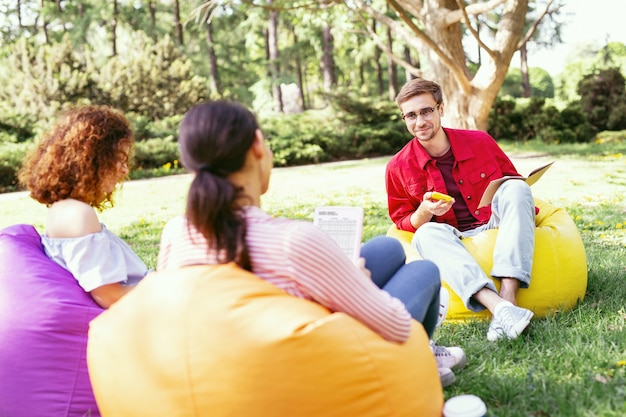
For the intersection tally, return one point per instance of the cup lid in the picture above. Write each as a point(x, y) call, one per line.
point(468, 405)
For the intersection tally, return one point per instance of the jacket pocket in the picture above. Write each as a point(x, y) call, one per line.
point(487, 173)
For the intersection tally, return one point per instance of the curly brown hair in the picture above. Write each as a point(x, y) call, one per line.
point(78, 157)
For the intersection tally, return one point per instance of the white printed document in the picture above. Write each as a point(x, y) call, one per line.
point(344, 224)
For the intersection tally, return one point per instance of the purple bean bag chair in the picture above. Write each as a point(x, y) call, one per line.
point(44, 320)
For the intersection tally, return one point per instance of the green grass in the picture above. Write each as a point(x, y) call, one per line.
point(571, 364)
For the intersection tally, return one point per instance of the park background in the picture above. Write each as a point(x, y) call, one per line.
point(321, 76)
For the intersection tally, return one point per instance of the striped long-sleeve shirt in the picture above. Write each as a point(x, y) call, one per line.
point(302, 260)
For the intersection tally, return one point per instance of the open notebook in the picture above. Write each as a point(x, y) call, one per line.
point(491, 189)
point(344, 224)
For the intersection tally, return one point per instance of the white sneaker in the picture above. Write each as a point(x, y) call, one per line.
point(452, 357)
point(509, 321)
point(444, 300)
point(446, 376)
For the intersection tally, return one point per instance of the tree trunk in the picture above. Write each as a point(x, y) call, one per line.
point(391, 69)
point(469, 100)
point(361, 68)
point(272, 45)
point(408, 75)
point(114, 29)
point(44, 24)
point(379, 68)
point(328, 59)
point(177, 23)
point(153, 28)
point(214, 80)
point(299, 78)
point(523, 53)
point(19, 15)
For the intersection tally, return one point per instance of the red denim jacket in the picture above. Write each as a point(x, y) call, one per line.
point(412, 172)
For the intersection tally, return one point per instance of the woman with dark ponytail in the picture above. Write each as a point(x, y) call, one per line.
point(222, 144)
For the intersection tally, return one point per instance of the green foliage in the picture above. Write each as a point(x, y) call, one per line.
point(523, 120)
point(351, 128)
point(154, 153)
point(603, 99)
point(611, 136)
point(372, 126)
point(11, 156)
point(300, 138)
point(512, 85)
point(588, 60)
point(153, 80)
point(541, 84)
point(146, 128)
point(36, 82)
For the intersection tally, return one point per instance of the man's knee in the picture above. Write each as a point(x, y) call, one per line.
point(516, 188)
point(428, 231)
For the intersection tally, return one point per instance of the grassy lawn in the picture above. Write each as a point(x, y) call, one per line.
point(571, 364)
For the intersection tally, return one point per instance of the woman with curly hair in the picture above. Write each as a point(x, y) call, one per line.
point(74, 171)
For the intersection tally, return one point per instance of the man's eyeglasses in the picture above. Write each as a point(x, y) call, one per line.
point(426, 113)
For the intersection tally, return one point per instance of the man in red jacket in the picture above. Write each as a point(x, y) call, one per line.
point(461, 163)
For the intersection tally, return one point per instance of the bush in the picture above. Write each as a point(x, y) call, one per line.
point(11, 157)
point(146, 128)
point(155, 153)
point(603, 99)
point(299, 139)
point(371, 126)
point(38, 81)
point(153, 80)
point(349, 129)
point(526, 119)
point(541, 84)
point(611, 136)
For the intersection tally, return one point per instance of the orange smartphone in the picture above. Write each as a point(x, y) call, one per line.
point(440, 196)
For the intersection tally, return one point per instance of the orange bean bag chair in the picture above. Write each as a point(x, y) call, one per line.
point(219, 341)
point(559, 276)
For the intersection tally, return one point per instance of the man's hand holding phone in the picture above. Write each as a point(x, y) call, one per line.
point(437, 203)
point(435, 195)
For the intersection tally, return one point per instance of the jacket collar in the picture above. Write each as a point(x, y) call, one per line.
point(460, 149)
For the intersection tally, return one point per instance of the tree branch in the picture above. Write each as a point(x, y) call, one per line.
point(397, 28)
point(458, 72)
point(383, 47)
point(473, 9)
point(203, 12)
point(473, 31)
point(533, 28)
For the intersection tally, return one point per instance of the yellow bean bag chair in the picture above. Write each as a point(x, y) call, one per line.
point(219, 341)
point(559, 276)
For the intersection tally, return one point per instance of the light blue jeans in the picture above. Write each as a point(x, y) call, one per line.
point(416, 283)
point(513, 214)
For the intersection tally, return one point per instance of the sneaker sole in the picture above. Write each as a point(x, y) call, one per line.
point(461, 364)
point(447, 379)
point(444, 302)
point(517, 329)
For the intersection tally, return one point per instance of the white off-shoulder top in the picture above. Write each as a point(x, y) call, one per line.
point(96, 259)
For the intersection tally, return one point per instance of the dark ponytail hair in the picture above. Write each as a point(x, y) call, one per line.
point(214, 138)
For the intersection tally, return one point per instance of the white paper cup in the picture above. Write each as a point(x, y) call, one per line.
point(464, 406)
